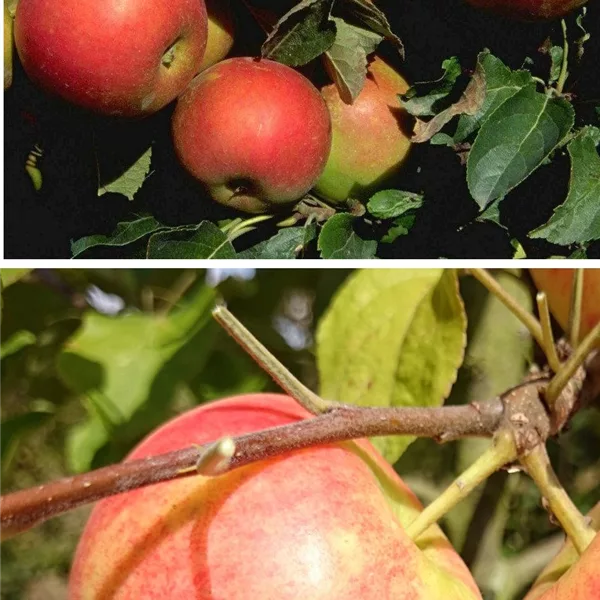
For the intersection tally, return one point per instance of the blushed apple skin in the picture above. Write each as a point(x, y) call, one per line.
point(557, 284)
point(569, 576)
point(220, 32)
point(370, 141)
point(106, 55)
point(529, 10)
point(256, 133)
point(313, 524)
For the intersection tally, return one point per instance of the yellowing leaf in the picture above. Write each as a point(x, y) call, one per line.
point(392, 338)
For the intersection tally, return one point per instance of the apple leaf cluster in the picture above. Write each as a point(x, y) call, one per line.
point(508, 133)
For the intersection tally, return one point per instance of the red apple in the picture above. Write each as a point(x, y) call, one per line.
point(313, 524)
point(570, 576)
point(529, 10)
point(557, 284)
point(370, 140)
point(220, 32)
point(117, 57)
point(256, 133)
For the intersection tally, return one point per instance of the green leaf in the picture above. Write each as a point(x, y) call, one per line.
point(346, 60)
point(556, 56)
point(302, 34)
point(339, 240)
point(392, 338)
point(388, 204)
point(10, 276)
point(131, 180)
point(287, 243)
point(469, 103)
point(125, 233)
point(127, 369)
point(205, 240)
point(515, 139)
point(577, 220)
point(401, 226)
point(500, 84)
point(13, 430)
point(427, 98)
point(366, 15)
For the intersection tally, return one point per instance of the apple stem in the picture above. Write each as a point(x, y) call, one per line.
point(502, 451)
point(245, 226)
point(569, 367)
point(575, 525)
point(282, 376)
point(549, 346)
point(564, 73)
point(575, 308)
point(532, 324)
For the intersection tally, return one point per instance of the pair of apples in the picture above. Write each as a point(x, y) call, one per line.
point(315, 523)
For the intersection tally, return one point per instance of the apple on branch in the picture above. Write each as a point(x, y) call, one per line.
point(370, 138)
point(117, 57)
point(312, 524)
point(529, 10)
point(255, 132)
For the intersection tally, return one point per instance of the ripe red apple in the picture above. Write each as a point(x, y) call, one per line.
point(256, 133)
point(570, 576)
point(529, 10)
point(117, 57)
point(313, 524)
point(370, 140)
point(557, 284)
point(220, 32)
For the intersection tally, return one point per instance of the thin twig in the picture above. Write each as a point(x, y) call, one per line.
point(532, 324)
point(549, 346)
point(568, 368)
point(501, 452)
point(572, 521)
point(575, 308)
point(290, 384)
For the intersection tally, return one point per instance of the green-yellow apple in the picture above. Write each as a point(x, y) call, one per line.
point(370, 140)
point(557, 284)
point(117, 57)
point(570, 576)
point(220, 32)
point(256, 133)
point(313, 524)
point(529, 10)
point(8, 47)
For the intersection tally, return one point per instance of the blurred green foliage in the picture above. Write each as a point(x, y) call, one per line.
point(81, 387)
